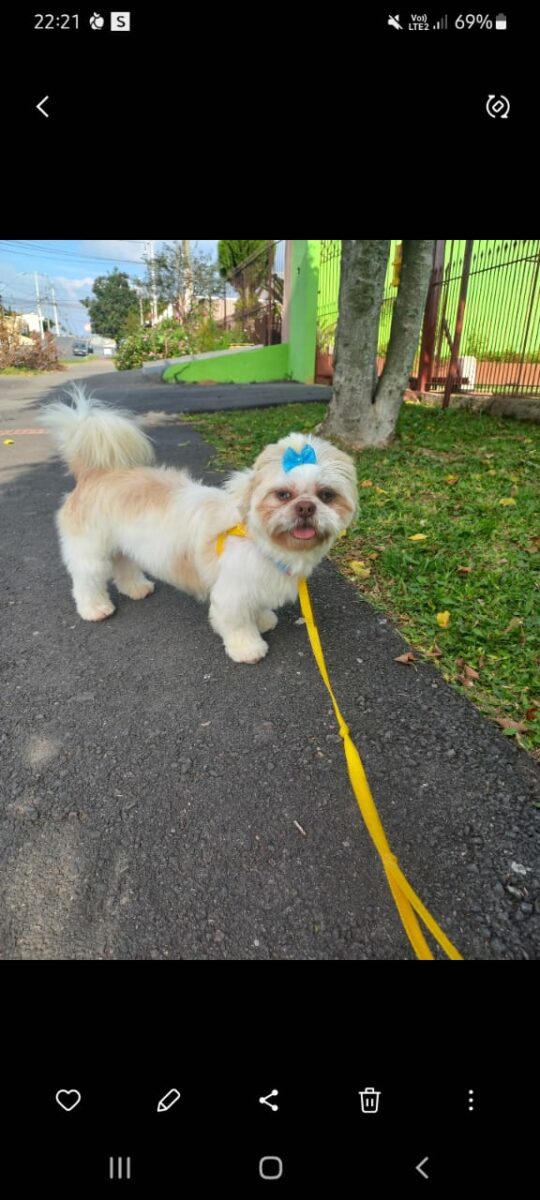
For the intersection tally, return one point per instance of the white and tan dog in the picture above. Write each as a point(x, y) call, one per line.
point(125, 517)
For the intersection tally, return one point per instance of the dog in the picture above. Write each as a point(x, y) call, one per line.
point(126, 516)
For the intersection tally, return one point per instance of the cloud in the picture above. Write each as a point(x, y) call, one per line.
point(130, 251)
point(72, 286)
point(126, 252)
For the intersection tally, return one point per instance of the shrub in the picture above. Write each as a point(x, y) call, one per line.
point(41, 355)
point(170, 339)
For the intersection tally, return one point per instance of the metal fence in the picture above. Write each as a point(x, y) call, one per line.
point(253, 296)
point(481, 329)
point(327, 300)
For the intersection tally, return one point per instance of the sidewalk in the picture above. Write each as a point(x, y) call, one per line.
point(155, 790)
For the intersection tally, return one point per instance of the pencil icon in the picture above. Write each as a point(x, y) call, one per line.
point(167, 1101)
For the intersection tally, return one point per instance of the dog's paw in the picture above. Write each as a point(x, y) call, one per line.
point(266, 620)
point(138, 591)
point(245, 648)
point(96, 612)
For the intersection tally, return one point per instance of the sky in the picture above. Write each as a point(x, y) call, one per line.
point(70, 267)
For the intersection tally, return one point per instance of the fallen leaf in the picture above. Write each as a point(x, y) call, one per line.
point(435, 651)
point(531, 714)
point(507, 723)
point(443, 619)
point(366, 483)
point(405, 658)
point(375, 554)
point(382, 491)
point(464, 570)
point(515, 623)
point(506, 501)
point(417, 537)
point(8, 442)
point(451, 478)
point(360, 570)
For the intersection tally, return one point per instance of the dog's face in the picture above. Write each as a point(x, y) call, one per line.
point(300, 494)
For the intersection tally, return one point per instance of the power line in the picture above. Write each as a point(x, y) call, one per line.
point(61, 251)
point(24, 249)
point(29, 300)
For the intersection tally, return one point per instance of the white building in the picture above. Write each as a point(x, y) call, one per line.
point(220, 308)
point(30, 321)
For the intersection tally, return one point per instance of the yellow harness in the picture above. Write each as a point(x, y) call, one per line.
point(408, 904)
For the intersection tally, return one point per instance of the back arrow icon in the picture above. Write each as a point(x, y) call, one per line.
point(42, 110)
point(420, 1165)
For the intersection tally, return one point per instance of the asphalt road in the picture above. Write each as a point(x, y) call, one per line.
point(153, 790)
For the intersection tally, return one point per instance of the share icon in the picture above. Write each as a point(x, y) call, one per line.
point(266, 1100)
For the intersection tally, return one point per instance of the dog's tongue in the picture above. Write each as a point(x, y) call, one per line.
point(303, 532)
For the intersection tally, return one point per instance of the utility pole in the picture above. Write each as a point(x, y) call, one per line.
point(188, 279)
point(153, 278)
point(55, 311)
point(38, 303)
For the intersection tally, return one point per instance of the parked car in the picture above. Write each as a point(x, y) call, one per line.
point(81, 349)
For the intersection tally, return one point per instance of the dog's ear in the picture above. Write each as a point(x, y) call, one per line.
point(240, 487)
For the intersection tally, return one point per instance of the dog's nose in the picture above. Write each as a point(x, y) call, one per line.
point(305, 508)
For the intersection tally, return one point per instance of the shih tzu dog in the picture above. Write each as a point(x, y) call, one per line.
point(125, 517)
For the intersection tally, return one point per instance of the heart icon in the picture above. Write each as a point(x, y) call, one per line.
point(68, 1100)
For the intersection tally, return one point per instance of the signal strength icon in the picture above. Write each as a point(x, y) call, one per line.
point(442, 24)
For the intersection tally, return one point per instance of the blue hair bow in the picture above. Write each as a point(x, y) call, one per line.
point(291, 459)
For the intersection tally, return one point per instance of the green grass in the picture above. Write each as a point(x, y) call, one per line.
point(21, 371)
point(63, 362)
point(444, 477)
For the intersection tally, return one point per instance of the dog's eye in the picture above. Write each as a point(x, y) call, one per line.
point(283, 495)
point(326, 495)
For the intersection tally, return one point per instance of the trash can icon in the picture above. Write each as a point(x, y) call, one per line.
point(369, 1100)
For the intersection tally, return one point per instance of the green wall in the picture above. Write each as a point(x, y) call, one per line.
point(270, 363)
point(294, 359)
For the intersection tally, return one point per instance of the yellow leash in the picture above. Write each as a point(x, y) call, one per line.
point(407, 902)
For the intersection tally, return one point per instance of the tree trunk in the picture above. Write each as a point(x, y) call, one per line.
point(406, 324)
point(362, 412)
point(363, 268)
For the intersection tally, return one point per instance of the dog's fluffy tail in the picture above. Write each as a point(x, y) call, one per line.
point(90, 434)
